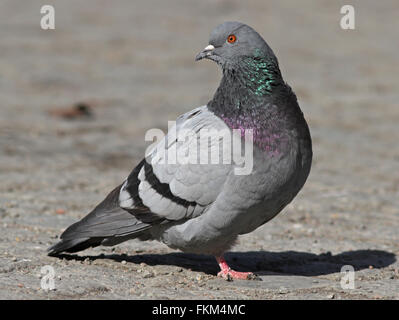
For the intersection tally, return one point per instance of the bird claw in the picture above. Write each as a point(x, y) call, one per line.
point(230, 275)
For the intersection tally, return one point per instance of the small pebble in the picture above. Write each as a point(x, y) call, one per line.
point(148, 274)
point(123, 261)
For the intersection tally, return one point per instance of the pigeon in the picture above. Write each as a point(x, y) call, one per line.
point(201, 205)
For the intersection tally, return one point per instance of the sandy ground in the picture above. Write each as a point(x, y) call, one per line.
point(134, 64)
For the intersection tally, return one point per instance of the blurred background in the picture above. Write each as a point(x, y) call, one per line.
point(75, 103)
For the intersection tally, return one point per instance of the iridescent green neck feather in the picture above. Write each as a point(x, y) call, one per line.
point(260, 75)
point(249, 84)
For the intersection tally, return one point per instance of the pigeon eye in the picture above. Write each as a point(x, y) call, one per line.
point(231, 38)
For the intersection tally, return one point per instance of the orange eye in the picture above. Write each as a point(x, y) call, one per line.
point(231, 38)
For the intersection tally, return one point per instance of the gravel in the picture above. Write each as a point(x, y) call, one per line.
point(134, 68)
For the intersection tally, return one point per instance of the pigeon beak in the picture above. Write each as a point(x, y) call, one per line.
point(205, 53)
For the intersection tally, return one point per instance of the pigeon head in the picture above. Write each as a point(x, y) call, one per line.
point(232, 42)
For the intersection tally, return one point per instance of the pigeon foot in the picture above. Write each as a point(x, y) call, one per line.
point(231, 275)
point(228, 274)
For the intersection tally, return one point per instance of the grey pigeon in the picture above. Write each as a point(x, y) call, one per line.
point(202, 207)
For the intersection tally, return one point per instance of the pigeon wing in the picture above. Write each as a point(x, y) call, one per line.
point(184, 173)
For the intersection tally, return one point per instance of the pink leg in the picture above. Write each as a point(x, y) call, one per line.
point(229, 274)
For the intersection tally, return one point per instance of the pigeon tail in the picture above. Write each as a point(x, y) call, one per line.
point(107, 225)
point(73, 245)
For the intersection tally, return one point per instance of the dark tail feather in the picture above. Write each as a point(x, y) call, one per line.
point(73, 245)
point(107, 224)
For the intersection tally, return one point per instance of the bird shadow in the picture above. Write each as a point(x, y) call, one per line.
point(260, 262)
